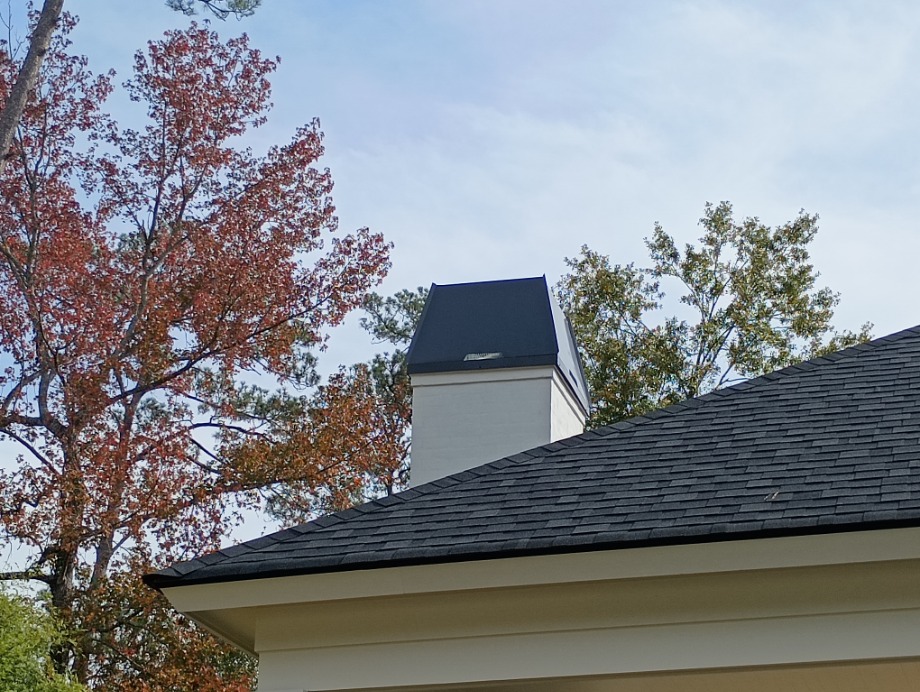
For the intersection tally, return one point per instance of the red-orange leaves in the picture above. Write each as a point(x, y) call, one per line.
point(141, 272)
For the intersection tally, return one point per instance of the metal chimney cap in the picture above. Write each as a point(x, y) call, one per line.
point(496, 324)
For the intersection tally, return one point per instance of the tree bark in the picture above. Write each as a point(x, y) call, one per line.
point(39, 42)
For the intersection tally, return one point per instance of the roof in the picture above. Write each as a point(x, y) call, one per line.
point(496, 324)
point(829, 445)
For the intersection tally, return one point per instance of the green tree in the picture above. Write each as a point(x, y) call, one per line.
point(27, 635)
point(752, 307)
point(219, 8)
point(393, 320)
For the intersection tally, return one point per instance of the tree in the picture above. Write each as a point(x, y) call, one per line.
point(752, 307)
point(154, 648)
point(222, 9)
point(27, 76)
point(142, 274)
point(27, 635)
point(358, 424)
point(40, 39)
point(393, 320)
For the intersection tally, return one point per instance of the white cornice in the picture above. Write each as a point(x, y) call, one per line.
point(702, 558)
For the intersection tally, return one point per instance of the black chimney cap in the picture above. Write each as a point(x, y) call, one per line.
point(496, 324)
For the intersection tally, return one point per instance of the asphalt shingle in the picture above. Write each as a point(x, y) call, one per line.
point(829, 445)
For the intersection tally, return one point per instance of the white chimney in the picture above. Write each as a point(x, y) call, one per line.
point(494, 371)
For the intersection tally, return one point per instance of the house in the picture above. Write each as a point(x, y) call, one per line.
point(765, 536)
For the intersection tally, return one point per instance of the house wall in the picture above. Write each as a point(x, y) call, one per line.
point(823, 613)
point(465, 419)
point(566, 415)
point(602, 630)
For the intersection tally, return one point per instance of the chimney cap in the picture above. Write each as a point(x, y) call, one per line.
point(496, 324)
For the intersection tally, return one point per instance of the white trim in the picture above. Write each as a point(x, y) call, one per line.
point(458, 377)
point(722, 621)
point(704, 558)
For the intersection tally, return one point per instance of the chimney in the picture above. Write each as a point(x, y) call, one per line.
point(494, 371)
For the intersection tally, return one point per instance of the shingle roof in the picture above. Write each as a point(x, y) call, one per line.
point(829, 445)
point(496, 324)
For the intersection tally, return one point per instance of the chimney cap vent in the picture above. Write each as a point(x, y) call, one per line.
point(491, 355)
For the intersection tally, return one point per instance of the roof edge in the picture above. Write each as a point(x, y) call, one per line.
point(158, 581)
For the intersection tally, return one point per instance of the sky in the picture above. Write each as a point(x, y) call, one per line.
point(492, 139)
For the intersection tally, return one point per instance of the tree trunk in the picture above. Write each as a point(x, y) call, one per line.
point(28, 76)
point(61, 588)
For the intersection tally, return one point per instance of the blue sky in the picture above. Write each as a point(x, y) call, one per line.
point(491, 139)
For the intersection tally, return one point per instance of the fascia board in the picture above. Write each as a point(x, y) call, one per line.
point(633, 563)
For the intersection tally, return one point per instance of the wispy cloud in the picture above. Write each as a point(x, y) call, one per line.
point(492, 139)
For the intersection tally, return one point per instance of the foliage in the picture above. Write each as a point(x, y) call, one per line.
point(155, 648)
point(360, 420)
point(43, 26)
point(357, 429)
point(44, 23)
point(393, 319)
point(27, 635)
point(750, 301)
point(142, 274)
point(219, 8)
point(752, 308)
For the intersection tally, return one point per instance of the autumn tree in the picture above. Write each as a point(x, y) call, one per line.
point(360, 419)
point(145, 274)
point(43, 28)
point(751, 306)
point(14, 101)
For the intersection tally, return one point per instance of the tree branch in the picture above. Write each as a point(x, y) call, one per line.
point(25, 575)
point(28, 76)
point(28, 445)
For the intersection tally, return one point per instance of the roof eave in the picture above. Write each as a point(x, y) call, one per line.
point(159, 581)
